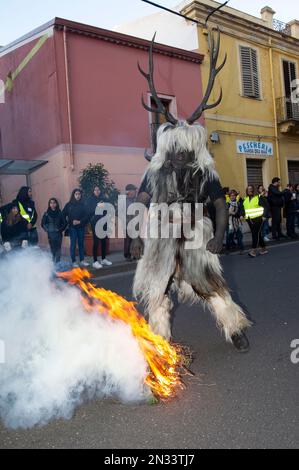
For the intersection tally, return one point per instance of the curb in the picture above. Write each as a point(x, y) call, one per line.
point(126, 267)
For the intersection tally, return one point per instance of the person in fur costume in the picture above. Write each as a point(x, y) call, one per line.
point(182, 174)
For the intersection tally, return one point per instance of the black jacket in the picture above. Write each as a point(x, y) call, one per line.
point(27, 203)
point(91, 205)
point(14, 233)
point(290, 205)
point(275, 197)
point(53, 222)
point(76, 211)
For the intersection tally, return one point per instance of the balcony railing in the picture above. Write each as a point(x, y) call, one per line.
point(282, 27)
point(287, 110)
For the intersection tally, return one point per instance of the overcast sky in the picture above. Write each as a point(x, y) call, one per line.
point(17, 17)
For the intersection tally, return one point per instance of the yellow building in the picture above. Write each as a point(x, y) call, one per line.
point(254, 133)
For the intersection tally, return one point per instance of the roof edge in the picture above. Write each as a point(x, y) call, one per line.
point(106, 35)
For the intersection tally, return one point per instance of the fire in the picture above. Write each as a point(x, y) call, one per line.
point(164, 360)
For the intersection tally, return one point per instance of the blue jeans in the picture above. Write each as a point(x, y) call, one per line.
point(77, 234)
point(266, 229)
point(231, 237)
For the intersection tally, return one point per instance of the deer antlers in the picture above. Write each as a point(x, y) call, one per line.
point(214, 45)
point(150, 78)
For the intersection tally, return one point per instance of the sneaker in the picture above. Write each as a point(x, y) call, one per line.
point(252, 254)
point(97, 265)
point(264, 252)
point(75, 265)
point(266, 239)
point(105, 262)
point(84, 264)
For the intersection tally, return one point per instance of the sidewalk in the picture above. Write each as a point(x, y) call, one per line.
point(121, 265)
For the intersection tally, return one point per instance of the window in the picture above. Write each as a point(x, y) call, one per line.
point(157, 120)
point(250, 72)
point(289, 75)
point(254, 172)
point(289, 72)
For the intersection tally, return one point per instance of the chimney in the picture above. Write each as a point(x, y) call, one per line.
point(294, 25)
point(267, 16)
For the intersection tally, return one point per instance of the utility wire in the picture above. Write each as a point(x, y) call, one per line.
point(184, 16)
point(172, 11)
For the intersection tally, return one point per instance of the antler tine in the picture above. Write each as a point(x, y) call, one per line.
point(150, 79)
point(214, 71)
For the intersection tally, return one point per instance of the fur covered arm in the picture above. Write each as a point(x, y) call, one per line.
point(137, 245)
point(215, 245)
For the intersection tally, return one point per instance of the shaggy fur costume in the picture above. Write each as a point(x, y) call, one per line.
point(166, 263)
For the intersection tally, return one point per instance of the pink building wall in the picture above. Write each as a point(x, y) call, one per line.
point(109, 124)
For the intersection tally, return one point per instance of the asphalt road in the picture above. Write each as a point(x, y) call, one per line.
point(234, 401)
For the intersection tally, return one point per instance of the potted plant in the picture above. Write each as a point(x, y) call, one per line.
point(90, 177)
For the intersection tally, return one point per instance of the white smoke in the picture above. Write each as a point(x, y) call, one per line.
point(57, 355)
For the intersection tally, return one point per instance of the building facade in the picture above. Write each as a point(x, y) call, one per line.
point(254, 132)
point(72, 96)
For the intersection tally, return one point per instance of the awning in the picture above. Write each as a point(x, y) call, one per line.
point(20, 167)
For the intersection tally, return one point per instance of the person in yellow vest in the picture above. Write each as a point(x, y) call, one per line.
point(28, 212)
point(255, 214)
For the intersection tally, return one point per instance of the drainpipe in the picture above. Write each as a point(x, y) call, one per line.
point(67, 81)
point(275, 109)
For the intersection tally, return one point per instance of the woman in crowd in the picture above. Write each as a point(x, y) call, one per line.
point(76, 216)
point(255, 208)
point(97, 203)
point(27, 210)
point(54, 224)
point(14, 230)
point(262, 192)
point(234, 230)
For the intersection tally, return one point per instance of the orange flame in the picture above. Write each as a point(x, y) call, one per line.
point(163, 359)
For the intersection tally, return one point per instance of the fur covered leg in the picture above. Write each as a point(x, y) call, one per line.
point(160, 318)
point(229, 316)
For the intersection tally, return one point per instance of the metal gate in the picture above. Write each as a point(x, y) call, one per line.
point(255, 172)
point(293, 172)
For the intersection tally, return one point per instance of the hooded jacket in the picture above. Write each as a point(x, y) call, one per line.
point(27, 203)
point(75, 210)
point(53, 222)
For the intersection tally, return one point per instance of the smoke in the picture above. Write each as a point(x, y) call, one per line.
point(56, 355)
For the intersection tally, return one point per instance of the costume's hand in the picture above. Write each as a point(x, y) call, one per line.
point(215, 246)
point(137, 248)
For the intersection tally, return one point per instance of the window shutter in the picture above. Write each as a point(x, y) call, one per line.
point(250, 72)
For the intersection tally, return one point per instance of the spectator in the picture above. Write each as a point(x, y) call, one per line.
point(28, 212)
point(226, 192)
point(97, 200)
point(54, 224)
point(254, 208)
point(276, 203)
point(131, 193)
point(236, 213)
point(263, 193)
point(14, 229)
point(291, 211)
point(76, 215)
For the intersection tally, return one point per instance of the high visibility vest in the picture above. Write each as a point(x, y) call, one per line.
point(25, 214)
point(252, 207)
